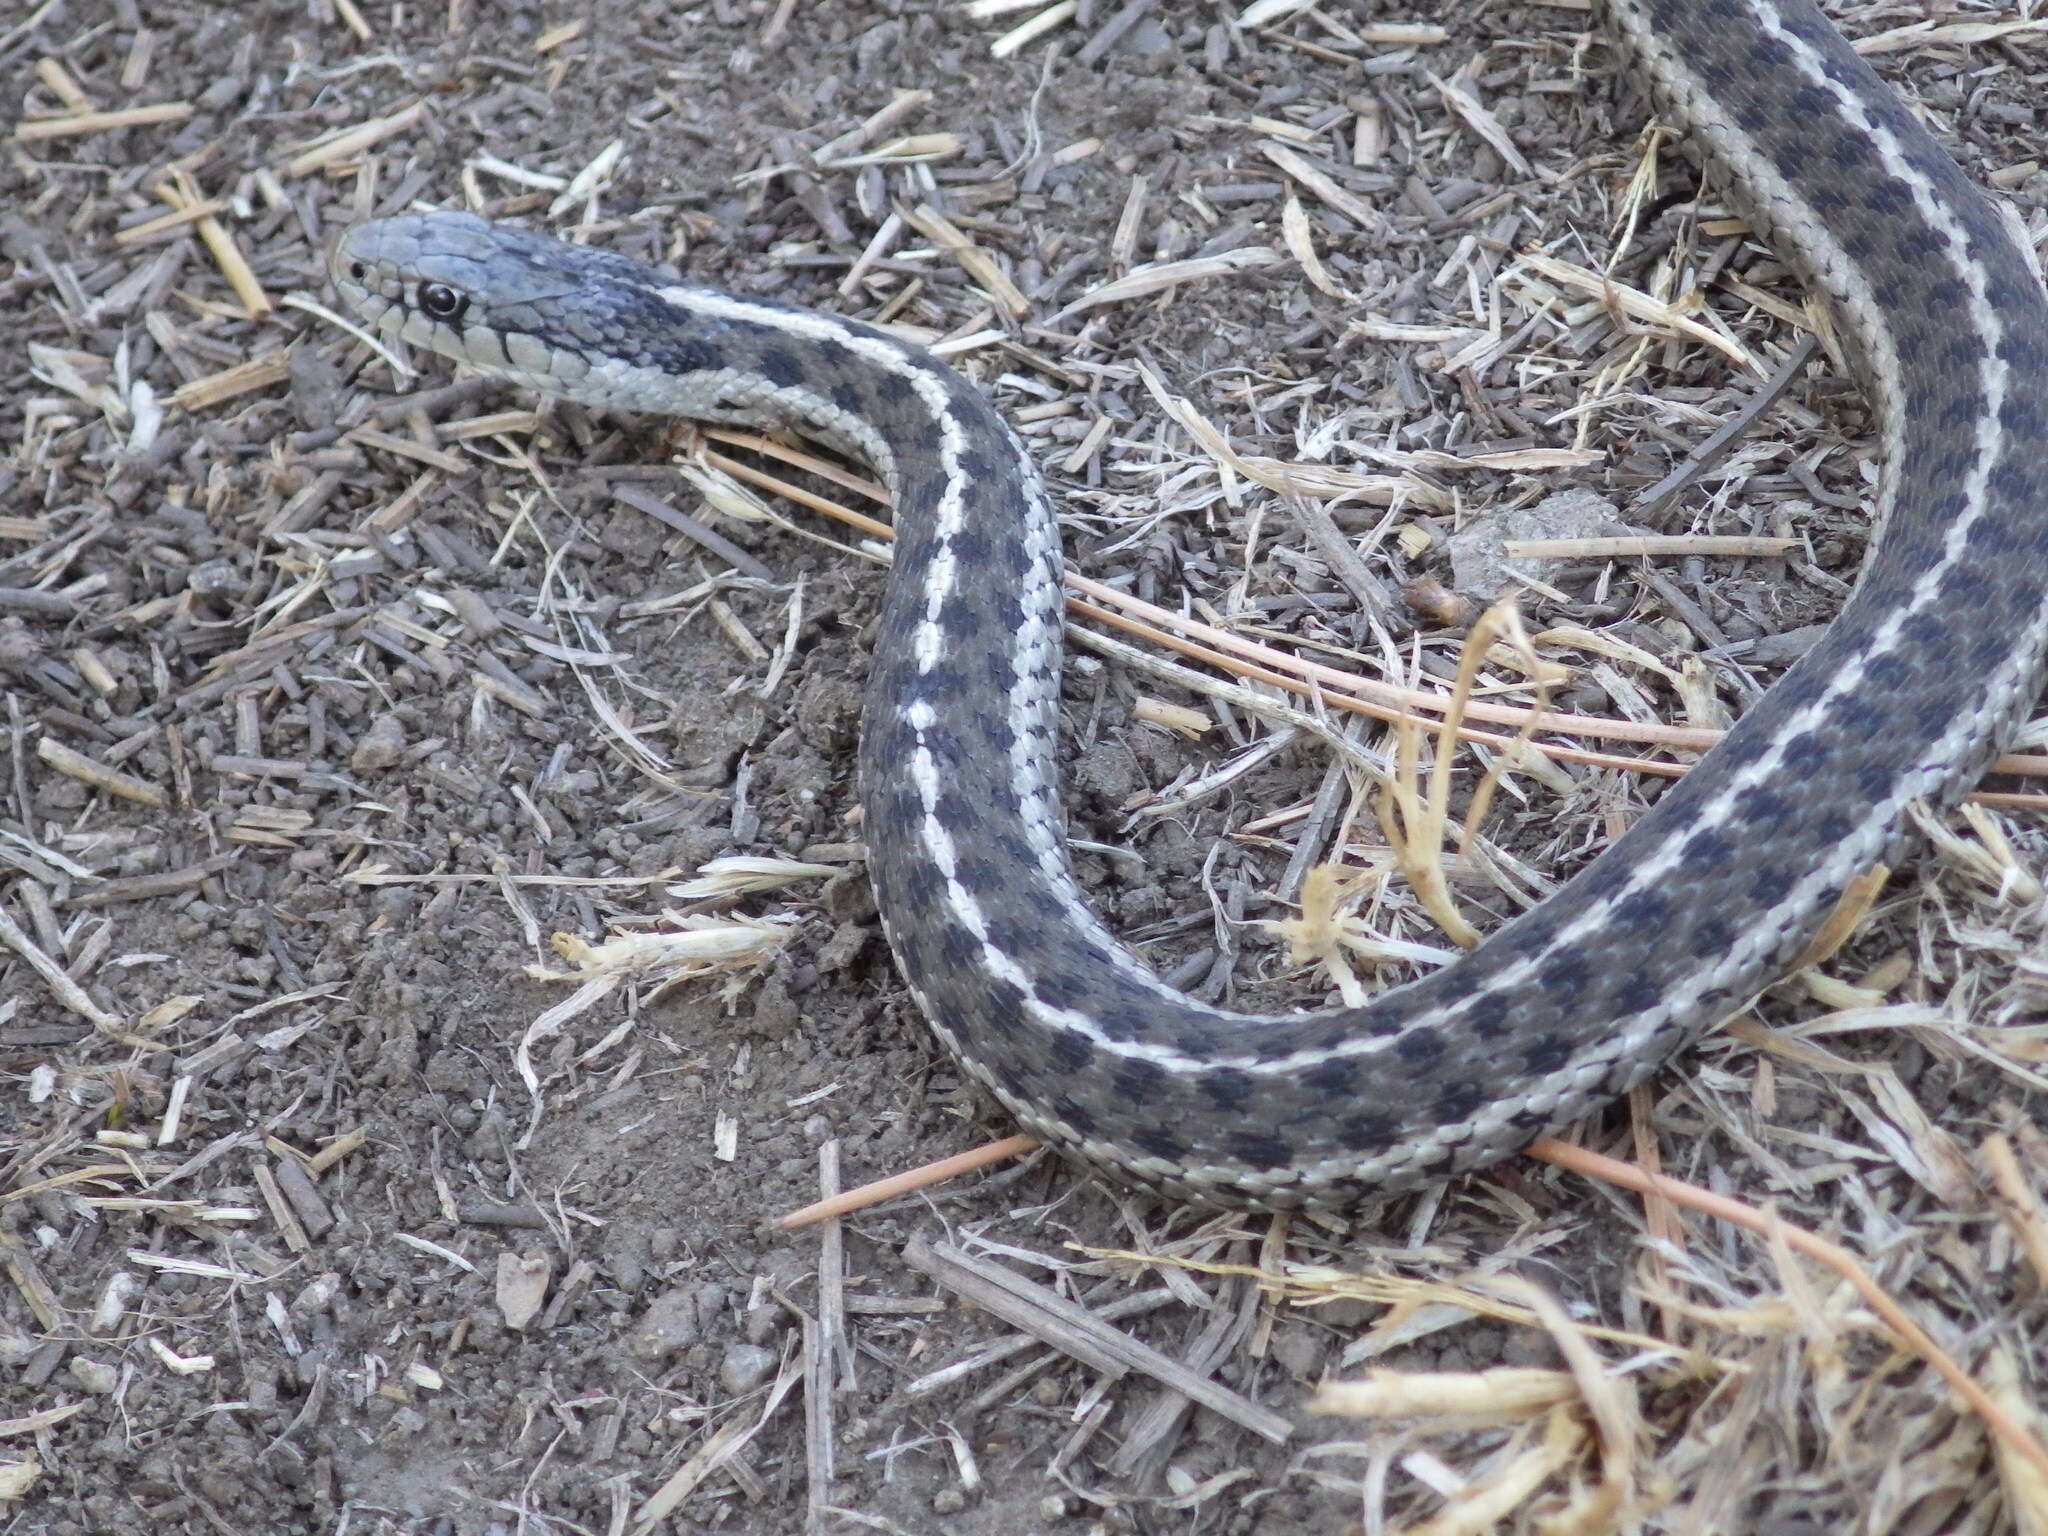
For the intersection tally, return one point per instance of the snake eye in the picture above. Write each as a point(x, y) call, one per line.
point(440, 302)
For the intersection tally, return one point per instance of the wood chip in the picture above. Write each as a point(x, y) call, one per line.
point(972, 259)
point(350, 142)
point(1324, 186)
point(37, 129)
point(1073, 1330)
point(1147, 281)
point(110, 781)
point(264, 372)
point(1649, 544)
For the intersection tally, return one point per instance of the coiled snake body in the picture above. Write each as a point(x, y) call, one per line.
point(1701, 904)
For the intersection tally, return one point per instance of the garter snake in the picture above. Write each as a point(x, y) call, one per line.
point(1702, 903)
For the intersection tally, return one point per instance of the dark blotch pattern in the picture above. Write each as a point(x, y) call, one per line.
point(1068, 1050)
point(1225, 1089)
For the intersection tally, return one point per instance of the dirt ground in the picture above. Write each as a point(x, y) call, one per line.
point(332, 697)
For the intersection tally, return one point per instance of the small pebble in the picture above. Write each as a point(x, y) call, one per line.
point(668, 1326)
point(380, 746)
point(746, 1367)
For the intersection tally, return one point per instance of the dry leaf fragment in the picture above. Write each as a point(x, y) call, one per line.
point(17, 1477)
point(522, 1286)
point(1502, 1395)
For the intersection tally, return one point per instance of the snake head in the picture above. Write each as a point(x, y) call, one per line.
point(567, 320)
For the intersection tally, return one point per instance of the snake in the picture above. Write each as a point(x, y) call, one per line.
point(1706, 900)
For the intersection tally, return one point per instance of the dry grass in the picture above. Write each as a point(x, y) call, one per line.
point(1450, 336)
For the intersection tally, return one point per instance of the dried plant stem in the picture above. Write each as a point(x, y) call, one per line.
point(1594, 1165)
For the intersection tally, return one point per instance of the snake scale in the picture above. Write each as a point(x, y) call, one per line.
point(1701, 904)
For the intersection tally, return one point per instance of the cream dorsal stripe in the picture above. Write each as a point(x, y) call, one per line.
point(1704, 901)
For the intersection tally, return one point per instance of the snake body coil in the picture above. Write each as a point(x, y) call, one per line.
point(1685, 918)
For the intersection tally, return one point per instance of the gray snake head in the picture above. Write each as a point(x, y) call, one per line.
point(566, 320)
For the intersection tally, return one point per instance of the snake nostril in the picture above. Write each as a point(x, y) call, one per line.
point(356, 270)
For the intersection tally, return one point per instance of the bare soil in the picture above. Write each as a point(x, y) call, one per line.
point(330, 698)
